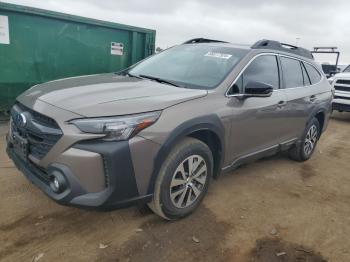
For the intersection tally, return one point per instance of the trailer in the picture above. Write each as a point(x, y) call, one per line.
point(328, 69)
point(37, 46)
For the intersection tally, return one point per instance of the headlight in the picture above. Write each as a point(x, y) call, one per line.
point(117, 128)
point(331, 80)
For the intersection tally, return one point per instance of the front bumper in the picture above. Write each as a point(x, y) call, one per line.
point(341, 105)
point(341, 101)
point(120, 191)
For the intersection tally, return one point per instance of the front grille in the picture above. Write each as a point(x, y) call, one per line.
point(42, 132)
point(342, 88)
point(342, 97)
point(342, 85)
point(343, 82)
point(45, 120)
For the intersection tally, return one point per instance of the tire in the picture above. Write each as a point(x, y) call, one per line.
point(304, 150)
point(177, 194)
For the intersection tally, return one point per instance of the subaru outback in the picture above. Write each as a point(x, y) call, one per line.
point(159, 131)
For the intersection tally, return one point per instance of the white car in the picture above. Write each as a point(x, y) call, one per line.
point(341, 84)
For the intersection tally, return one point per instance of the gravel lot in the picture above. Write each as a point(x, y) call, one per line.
point(271, 210)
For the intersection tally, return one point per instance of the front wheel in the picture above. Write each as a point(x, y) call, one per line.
point(305, 149)
point(183, 179)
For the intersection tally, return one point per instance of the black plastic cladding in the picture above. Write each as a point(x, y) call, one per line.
point(122, 182)
point(208, 122)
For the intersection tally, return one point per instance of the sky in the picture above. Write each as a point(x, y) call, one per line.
point(307, 23)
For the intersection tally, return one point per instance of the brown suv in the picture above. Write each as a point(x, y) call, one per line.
point(159, 131)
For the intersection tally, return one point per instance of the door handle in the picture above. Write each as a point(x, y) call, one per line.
point(313, 98)
point(281, 104)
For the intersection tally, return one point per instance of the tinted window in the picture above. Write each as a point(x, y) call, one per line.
point(314, 75)
point(263, 69)
point(307, 81)
point(293, 76)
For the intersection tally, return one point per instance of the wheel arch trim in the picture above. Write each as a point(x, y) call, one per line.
point(204, 123)
point(316, 112)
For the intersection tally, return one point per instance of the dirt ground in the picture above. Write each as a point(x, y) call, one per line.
point(271, 210)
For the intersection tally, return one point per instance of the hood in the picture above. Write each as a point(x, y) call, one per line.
point(108, 94)
point(342, 75)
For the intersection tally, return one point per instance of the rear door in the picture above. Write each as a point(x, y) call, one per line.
point(301, 92)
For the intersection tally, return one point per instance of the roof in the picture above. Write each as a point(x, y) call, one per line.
point(261, 44)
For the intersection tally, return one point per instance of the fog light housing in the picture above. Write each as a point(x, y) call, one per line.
point(58, 182)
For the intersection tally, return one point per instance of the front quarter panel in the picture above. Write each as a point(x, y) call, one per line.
point(209, 113)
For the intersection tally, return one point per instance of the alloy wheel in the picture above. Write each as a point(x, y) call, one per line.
point(188, 181)
point(310, 140)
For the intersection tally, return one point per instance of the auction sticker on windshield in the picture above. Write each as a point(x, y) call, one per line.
point(218, 55)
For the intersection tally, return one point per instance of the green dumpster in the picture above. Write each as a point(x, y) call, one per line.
point(38, 45)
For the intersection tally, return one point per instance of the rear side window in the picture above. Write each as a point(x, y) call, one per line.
point(263, 69)
point(307, 81)
point(314, 75)
point(292, 72)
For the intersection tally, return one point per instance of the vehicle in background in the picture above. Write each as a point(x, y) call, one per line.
point(43, 45)
point(341, 84)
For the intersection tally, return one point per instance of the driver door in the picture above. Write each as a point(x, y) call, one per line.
point(257, 122)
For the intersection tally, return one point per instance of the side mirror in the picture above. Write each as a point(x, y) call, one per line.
point(257, 89)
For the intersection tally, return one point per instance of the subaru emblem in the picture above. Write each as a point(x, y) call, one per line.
point(20, 120)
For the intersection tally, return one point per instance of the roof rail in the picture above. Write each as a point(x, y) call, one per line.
point(275, 45)
point(202, 40)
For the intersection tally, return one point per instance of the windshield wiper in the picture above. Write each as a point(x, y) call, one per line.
point(131, 75)
point(160, 80)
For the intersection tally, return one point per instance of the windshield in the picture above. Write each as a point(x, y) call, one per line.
point(347, 69)
point(192, 66)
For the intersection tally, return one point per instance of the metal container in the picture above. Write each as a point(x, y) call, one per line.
point(37, 46)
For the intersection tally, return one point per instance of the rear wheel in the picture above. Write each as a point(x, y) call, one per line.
point(305, 149)
point(183, 180)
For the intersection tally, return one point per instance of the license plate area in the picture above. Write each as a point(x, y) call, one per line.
point(20, 146)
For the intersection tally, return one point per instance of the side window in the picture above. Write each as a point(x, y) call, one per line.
point(307, 81)
point(314, 75)
point(237, 88)
point(263, 69)
point(293, 75)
